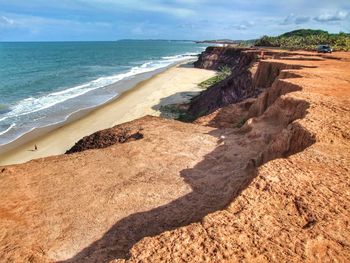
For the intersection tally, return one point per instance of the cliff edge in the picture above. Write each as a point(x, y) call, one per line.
point(265, 179)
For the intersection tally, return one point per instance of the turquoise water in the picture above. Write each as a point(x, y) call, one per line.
point(43, 83)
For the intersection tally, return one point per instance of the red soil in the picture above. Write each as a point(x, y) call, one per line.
point(274, 190)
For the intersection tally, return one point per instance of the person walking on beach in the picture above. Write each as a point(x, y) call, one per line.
point(35, 147)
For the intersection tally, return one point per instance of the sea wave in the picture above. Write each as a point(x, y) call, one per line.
point(50, 126)
point(4, 108)
point(32, 104)
point(185, 55)
point(8, 129)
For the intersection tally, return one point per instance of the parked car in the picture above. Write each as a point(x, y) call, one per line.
point(324, 49)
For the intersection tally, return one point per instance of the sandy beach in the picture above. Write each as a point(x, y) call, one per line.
point(175, 85)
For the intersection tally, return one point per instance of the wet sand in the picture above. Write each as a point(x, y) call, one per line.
point(174, 85)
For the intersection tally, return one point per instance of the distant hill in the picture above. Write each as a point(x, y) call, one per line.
point(307, 39)
point(304, 33)
point(219, 41)
point(240, 43)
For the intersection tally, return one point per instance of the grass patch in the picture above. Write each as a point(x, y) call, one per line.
point(179, 112)
point(185, 117)
point(223, 73)
point(172, 108)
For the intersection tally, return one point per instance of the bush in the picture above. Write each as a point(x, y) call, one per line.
point(240, 122)
point(222, 74)
point(307, 39)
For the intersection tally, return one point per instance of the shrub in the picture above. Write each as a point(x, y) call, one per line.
point(307, 39)
point(240, 122)
point(222, 74)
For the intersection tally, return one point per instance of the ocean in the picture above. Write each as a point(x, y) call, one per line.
point(43, 84)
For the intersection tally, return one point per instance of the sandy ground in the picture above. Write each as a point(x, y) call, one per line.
point(274, 190)
point(174, 85)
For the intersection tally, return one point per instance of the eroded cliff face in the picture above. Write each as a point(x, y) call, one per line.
point(296, 209)
point(237, 87)
point(120, 134)
point(262, 180)
point(215, 57)
point(248, 79)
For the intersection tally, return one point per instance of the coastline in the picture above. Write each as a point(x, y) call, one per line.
point(163, 87)
point(118, 88)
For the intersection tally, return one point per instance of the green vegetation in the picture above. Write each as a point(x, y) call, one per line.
point(304, 33)
point(223, 73)
point(172, 109)
point(179, 112)
point(185, 117)
point(240, 122)
point(307, 39)
point(246, 43)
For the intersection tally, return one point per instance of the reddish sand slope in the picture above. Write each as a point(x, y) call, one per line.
point(274, 190)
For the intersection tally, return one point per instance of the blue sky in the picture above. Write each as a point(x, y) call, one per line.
point(62, 20)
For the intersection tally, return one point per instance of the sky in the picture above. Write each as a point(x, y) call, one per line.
point(82, 20)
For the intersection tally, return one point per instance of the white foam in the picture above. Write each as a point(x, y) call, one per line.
point(30, 105)
point(180, 57)
point(9, 128)
point(52, 125)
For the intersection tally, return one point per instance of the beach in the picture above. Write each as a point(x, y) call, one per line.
point(174, 131)
point(175, 85)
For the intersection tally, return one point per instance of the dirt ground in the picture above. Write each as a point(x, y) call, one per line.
point(274, 188)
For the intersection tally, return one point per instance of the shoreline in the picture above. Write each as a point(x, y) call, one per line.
point(178, 82)
point(120, 87)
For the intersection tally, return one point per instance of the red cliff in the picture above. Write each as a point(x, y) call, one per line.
point(262, 180)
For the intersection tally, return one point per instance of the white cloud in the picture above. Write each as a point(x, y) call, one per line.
point(5, 21)
point(180, 19)
point(244, 25)
point(144, 5)
point(294, 19)
point(327, 17)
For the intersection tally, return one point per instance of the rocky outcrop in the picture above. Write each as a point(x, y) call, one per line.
point(248, 79)
point(102, 139)
point(238, 86)
point(215, 57)
point(296, 209)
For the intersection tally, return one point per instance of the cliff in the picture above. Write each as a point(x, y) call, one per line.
point(216, 57)
point(248, 77)
point(295, 208)
point(237, 87)
point(262, 180)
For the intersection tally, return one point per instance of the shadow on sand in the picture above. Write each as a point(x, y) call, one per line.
point(215, 181)
point(187, 65)
point(172, 106)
